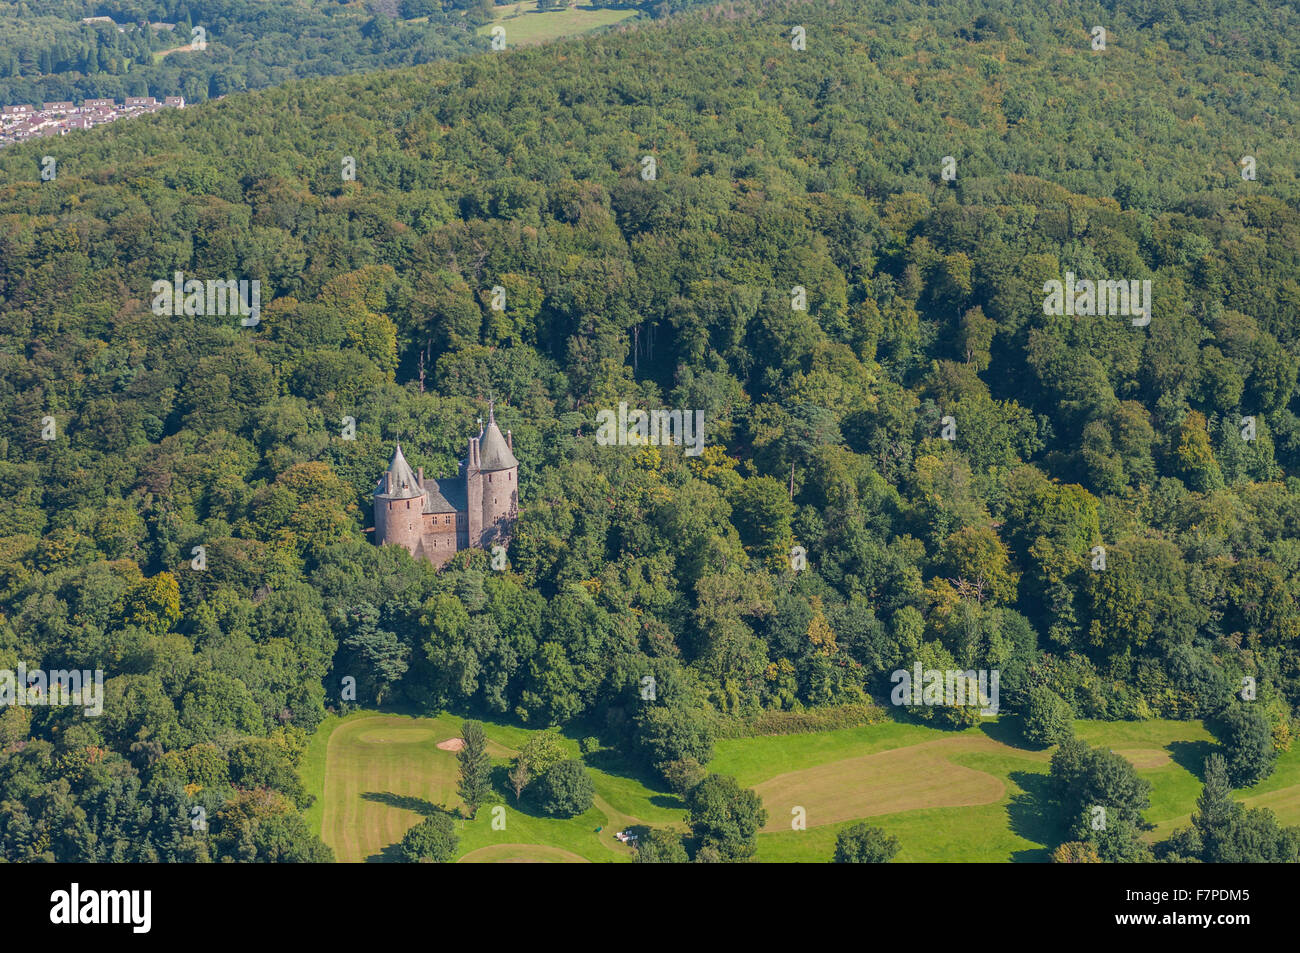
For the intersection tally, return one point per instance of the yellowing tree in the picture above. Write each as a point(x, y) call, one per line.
point(1200, 471)
point(1075, 852)
point(820, 633)
point(153, 603)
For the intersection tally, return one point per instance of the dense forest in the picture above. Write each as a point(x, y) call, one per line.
point(948, 456)
point(48, 54)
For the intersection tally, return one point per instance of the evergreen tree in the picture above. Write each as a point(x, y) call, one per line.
point(475, 767)
point(1215, 807)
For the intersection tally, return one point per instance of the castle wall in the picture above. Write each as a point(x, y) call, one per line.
point(492, 501)
point(500, 496)
point(399, 522)
point(474, 493)
point(442, 536)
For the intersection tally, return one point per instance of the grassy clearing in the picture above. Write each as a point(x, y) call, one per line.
point(842, 776)
point(375, 775)
point(1180, 787)
point(887, 782)
point(160, 55)
point(525, 26)
point(968, 796)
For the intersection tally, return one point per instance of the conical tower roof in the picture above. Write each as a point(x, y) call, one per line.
point(494, 453)
point(401, 479)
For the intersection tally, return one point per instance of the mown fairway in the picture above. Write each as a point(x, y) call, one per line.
point(918, 776)
point(376, 775)
point(947, 796)
point(382, 774)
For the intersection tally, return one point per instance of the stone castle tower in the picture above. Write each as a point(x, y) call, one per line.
point(435, 519)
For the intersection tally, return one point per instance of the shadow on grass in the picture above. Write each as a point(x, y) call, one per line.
point(1006, 730)
point(417, 804)
point(523, 804)
point(1031, 818)
point(613, 761)
point(1192, 754)
point(617, 764)
point(389, 855)
point(670, 801)
point(906, 715)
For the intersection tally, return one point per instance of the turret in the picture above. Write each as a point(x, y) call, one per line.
point(499, 483)
point(399, 505)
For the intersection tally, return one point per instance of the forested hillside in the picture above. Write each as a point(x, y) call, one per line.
point(776, 168)
point(48, 52)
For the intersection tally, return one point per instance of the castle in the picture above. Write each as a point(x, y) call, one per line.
point(436, 519)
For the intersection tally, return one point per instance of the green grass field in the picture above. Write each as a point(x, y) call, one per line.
point(947, 796)
point(525, 26)
point(160, 55)
point(375, 775)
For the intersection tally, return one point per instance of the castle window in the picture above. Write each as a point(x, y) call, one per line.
point(408, 504)
point(489, 478)
point(447, 520)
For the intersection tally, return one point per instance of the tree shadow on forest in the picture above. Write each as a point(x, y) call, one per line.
point(1031, 816)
